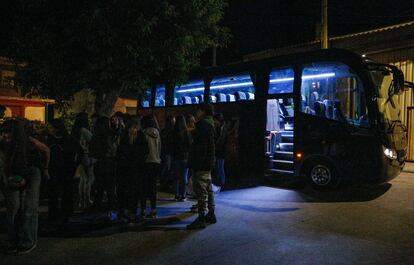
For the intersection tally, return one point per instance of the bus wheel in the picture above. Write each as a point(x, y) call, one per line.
point(323, 176)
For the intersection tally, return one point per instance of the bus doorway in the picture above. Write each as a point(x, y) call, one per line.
point(279, 136)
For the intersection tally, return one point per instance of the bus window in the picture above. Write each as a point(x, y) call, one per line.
point(190, 93)
point(160, 96)
point(146, 98)
point(231, 88)
point(333, 91)
point(281, 81)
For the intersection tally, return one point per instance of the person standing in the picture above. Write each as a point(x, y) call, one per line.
point(201, 160)
point(152, 165)
point(166, 149)
point(22, 189)
point(103, 149)
point(220, 143)
point(180, 148)
point(62, 167)
point(126, 169)
point(82, 134)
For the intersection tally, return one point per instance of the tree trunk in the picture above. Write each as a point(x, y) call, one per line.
point(105, 101)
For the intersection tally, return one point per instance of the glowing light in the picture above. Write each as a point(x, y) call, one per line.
point(246, 84)
point(299, 155)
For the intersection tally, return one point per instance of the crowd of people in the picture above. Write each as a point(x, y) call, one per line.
point(116, 165)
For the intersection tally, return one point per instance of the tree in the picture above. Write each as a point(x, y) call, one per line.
point(111, 47)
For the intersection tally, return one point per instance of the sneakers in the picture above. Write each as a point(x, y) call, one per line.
point(211, 218)
point(25, 250)
point(198, 223)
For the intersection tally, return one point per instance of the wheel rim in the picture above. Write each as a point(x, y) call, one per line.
point(321, 175)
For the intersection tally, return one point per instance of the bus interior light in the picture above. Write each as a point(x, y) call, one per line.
point(278, 80)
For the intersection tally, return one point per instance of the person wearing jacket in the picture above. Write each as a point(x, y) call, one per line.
point(201, 160)
point(103, 148)
point(220, 142)
point(62, 167)
point(180, 148)
point(152, 165)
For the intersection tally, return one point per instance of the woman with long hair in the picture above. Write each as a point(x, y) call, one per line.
point(151, 166)
point(166, 143)
point(126, 169)
point(82, 134)
point(63, 149)
point(103, 149)
point(180, 150)
point(23, 178)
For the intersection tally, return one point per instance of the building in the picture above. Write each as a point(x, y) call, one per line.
point(391, 45)
point(41, 109)
point(16, 105)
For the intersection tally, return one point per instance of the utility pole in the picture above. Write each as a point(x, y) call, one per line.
point(324, 24)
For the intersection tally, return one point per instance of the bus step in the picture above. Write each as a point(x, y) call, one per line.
point(286, 138)
point(282, 164)
point(283, 155)
point(286, 146)
point(280, 171)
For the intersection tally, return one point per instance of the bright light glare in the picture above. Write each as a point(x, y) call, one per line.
point(272, 81)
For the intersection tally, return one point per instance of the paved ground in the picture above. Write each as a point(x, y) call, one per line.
point(262, 225)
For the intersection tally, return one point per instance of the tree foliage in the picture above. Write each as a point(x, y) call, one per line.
point(111, 47)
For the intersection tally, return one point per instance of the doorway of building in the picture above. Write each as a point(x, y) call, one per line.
point(279, 136)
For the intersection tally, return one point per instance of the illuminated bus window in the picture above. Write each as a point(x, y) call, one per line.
point(160, 96)
point(190, 93)
point(281, 81)
point(146, 98)
point(231, 88)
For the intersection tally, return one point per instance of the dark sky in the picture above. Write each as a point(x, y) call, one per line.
point(264, 24)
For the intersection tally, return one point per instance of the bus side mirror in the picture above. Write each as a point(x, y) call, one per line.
point(398, 77)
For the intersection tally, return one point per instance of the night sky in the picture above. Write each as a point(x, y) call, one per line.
point(264, 24)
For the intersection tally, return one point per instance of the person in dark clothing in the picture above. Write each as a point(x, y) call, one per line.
point(201, 160)
point(82, 134)
point(152, 165)
point(62, 167)
point(103, 149)
point(22, 185)
point(126, 169)
point(180, 148)
point(166, 149)
point(220, 144)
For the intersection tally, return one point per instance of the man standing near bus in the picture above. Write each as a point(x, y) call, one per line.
point(201, 161)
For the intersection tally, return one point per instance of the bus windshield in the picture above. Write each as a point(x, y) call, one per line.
point(390, 111)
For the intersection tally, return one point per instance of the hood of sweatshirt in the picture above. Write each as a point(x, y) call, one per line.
point(152, 132)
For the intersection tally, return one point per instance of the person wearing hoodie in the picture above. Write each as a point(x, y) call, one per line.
point(201, 160)
point(152, 165)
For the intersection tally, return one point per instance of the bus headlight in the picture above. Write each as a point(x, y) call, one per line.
point(390, 153)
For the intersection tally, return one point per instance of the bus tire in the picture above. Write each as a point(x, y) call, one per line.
point(323, 175)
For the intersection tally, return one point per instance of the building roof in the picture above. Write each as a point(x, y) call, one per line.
point(365, 42)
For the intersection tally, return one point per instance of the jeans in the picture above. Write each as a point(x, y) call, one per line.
point(181, 177)
point(22, 210)
point(204, 192)
point(149, 185)
point(105, 173)
point(220, 173)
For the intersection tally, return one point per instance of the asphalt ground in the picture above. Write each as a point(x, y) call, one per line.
point(259, 225)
